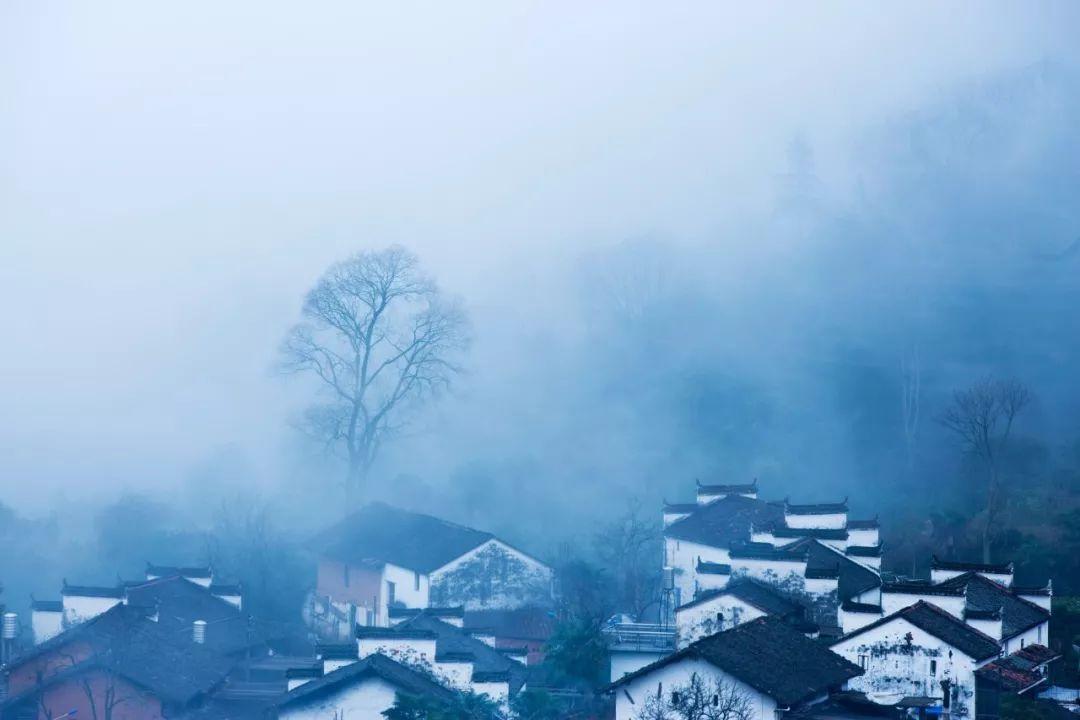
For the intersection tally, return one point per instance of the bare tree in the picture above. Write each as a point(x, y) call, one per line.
point(911, 401)
point(628, 546)
point(380, 338)
point(982, 418)
point(702, 698)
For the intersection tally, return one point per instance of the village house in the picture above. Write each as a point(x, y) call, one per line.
point(360, 690)
point(920, 651)
point(764, 668)
point(176, 597)
point(120, 664)
point(381, 558)
point(742, 600)
point(812, 552)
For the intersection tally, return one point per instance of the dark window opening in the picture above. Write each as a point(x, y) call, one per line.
point(390, 593)
point(416, 581)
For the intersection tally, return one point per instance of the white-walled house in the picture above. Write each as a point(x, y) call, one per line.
point(942, 570)
point(383, 557)
point(46, 619)
point(741, 601)
point(361, 690)
point(83, 602)
point(806, 550)
point(773, 668)
point(922, 651)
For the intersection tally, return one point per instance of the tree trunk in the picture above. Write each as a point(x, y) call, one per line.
point(355, 482)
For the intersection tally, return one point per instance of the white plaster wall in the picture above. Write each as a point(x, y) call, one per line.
point(46, 625)
point(329, 666)
point(405, 590)
point(870, 597)
point(764, 536)
point(630, 699)
point(705, 581)
point(863, 537)
point(363, 700)
point(294, 683)
point(822, 586)
point(696, 622)
point(939, 575)
point(234, 600)
point(78, 608)
point(769, 570)
point(454, 674)
point(898, 659)
point(893, 601)
point(832, 521)
point(1038, 635)
point(988, 627)
point(624, 662)
point(409, 651)
point(706, 498)
point(673, 517)
point(1043, 601)
point(683, 555)
point(498, 691)
point(535, 574)
point(852, 621)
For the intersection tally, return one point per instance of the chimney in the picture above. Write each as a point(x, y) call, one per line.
point(198, 631)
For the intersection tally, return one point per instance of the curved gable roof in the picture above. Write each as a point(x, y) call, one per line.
point(940, 624)
point(378, 534)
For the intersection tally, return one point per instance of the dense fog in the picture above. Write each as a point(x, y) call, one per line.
point(711, 242)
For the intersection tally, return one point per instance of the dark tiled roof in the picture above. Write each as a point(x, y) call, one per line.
point(712, 568)
point(872, 524)
point(223, 589)
point(180, 602)
point(824, 561)
point(918, 587)
point(397, 613)
point(760, 595)
point(1037, 654)
point(680, 507)
point(379, 534)
point(171, 570)
point(725, 521)
point(844, 705)
point(993, 568)
point(1017, 614)
point(92, 591)
point(857, 607)
point(769, 656)
point(337, 651)
point(864, 550)
point(400, 676)
point(528, 623)
point(817, 508)
point(729, 489)
point(941, 625)
point(450, 639)
point(1032, 590)
point(1019, 671)
point(765, 551)
point(401, 630)
point(821, 533)
point(978, 614)
point(47, 605)
point(172, 666)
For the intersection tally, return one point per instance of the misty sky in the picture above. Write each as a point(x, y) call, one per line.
point(174, 176)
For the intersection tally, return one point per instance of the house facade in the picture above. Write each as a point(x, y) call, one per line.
point(382, 558)
point(765, 666)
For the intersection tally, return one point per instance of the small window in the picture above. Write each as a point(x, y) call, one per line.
point(864, 660)
point(390, 592)
point(716, 701)
point(416, 581)
point(1021, 643)
point(675, 698)
point(719, 621)
point(933, 667)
